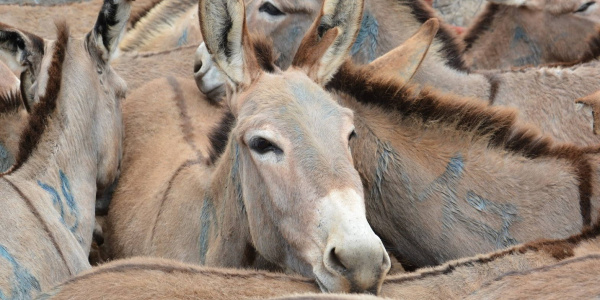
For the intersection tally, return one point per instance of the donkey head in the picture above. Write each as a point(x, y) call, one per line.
point(86, 79)
point(303, 197)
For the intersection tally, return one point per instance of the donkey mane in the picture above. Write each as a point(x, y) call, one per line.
point(451, 46)
point(162, 12)
point(559, 249)
point(494, 124)
point(481, 24)
point(10, 101)
point(42, 111)
point(219, 135)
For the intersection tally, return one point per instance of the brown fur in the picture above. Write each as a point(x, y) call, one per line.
point(47, 103)
point(81, 17)
point(474, 276)
point(509, 35)
point(451, 48)
point(404, 107)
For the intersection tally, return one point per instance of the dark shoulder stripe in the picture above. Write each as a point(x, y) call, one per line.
point(187, 129)
point(482, 24)
point(220, 136)
point(451, 47)
point(38, 216)
point(182, 167)
point(46, 106)
point(559, 249)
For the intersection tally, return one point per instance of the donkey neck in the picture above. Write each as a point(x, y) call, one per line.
point(63, 163)
point(433, 163)
point(442, 67)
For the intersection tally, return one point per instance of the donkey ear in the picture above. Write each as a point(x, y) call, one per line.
point(327, 43)
point(223, 27)
point(593, 101)
point(22, 52)
point(109, 28)
point(404, 60)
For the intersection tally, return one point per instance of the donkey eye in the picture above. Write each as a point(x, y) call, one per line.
point(352, 135)
point(585, 6)
point(262, 146)
point(270, 9)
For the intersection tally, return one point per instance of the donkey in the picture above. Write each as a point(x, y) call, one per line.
point(141, 278)
point(532, 32)
point(277, 162)
point(413, 153)
point(541, 95)
point(69, 151)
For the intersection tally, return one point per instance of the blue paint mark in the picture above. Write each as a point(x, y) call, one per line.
point(6, 159)
point(23, 284)
point(207, 217)
point(57, 201)
point(368, 33)
point(183, 39)
point(519, 37)
point(447, 183)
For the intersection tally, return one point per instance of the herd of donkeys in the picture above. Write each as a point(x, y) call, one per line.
point(315, 149)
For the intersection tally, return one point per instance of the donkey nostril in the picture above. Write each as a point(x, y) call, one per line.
point(197, 67)
point(335, 261)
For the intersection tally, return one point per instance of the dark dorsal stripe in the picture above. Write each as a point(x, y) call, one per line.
point(450, 47)
point(170, 269)
point(38, 216)
point(43, 110)
point(10, 102)
point(495, 124)
point(482, 24)
point(541, 269)
point(559, 249)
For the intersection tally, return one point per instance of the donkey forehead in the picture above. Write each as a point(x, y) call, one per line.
point(291, 98)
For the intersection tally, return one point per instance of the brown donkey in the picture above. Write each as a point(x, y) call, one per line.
point(278, 193)
point(542, 96)
point(69, 151)
point(423, 160)
point(560, 267)
point(532, 32)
